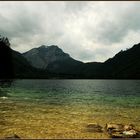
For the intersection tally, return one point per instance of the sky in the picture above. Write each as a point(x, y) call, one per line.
point(87, 30)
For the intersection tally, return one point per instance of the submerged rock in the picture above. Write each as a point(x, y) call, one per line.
point(116, 135)
point(131, 134)
point(93, 127)
point(122, 131)
point(4, 97)
point(114, 127)
point(13, 137)
point(128, 127)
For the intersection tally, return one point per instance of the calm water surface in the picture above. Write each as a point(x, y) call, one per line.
point(63, 108)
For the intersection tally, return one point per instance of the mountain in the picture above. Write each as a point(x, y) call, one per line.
point(53, 60)
point(125, 64)
point(23, 69)
point(42, 56)
point(14, 65)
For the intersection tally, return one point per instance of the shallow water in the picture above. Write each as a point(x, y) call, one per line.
point(63, 108)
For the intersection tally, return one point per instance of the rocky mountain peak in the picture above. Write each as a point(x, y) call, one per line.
point(42, 56)
point(43, 46)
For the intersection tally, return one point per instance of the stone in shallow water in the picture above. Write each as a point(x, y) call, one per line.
point(13, 137)
point(116, 127)
point(122, 131)
point(116, 135)
point(114, 130)
point(131, 134)
point(93, 127)
point(4, 97)
point(128, 127)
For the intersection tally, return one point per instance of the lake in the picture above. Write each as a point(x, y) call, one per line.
point(63, 108)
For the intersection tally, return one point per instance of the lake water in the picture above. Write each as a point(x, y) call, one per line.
point(63, 108)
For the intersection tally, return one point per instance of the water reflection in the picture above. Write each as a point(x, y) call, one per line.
point(4, 84)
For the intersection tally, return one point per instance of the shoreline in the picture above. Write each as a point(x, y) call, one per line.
point(53, 121)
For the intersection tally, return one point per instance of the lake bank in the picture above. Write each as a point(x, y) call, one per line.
point(64, 108)
point(53, 121)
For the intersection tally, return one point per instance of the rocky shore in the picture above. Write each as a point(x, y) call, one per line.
point(111, 129)
point(115, 130)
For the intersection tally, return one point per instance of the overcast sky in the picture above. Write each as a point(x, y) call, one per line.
point(88, 31)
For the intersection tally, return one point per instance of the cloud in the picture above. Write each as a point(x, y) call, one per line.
point(88, 31)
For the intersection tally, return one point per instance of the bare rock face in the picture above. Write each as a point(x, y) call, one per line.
point(53, 60)
point(34, 58)
point(44, 55)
